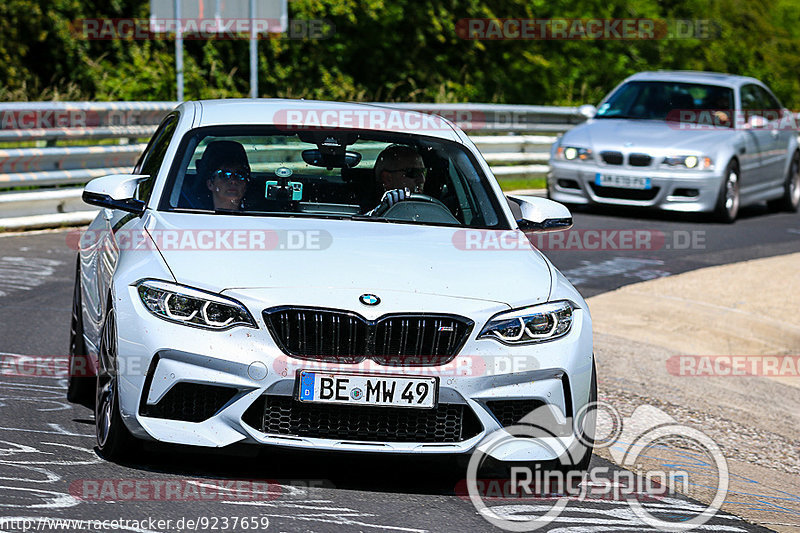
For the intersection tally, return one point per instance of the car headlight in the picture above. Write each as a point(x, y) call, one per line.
point(193, 307)
point(573, 153)
point(538, 323)
point(689, 161)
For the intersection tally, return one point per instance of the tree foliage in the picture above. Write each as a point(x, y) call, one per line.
point(394, 50)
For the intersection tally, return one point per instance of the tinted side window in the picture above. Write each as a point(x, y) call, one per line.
point(751, 98)
point(153, 156)
point(770, 101)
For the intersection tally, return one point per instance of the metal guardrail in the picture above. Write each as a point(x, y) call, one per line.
point(47, 168)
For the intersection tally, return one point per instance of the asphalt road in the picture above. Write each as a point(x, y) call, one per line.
point(47, 444)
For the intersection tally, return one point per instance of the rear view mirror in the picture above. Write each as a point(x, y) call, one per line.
point(541, 214)
point(318, 158)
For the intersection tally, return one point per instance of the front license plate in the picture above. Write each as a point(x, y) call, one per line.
point(624, 182)
point(367, 389)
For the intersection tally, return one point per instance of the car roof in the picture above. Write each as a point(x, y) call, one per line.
point(289, 112)
point(694, 76)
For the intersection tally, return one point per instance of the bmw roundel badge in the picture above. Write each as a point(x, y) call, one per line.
point(369, 299)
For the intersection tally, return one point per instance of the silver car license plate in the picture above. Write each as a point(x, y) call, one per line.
point(624, 182)
point(380, 390)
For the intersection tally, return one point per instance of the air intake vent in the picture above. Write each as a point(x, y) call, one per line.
point(282, 415)
point(612, 158)
point(189, 402)
point(639, 160)
point(625, 194)
point(536, 413)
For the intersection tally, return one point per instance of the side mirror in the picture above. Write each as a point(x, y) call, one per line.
point(115, 192)
point(755, 122)
point(587, 110)
point(541, 214)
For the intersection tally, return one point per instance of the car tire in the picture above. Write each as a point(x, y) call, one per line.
point(727, 208)
point(114, 441)
point(80, 385)
point(790, 201)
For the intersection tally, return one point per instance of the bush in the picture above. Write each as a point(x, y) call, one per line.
point(403, 50)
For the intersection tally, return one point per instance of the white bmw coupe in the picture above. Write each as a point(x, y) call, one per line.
point(324, 276)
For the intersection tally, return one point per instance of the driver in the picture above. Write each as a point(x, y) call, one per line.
point(227, 173)
point(399, 171)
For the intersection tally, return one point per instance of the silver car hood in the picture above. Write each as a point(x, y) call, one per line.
point(647, 136)
point(367, 256)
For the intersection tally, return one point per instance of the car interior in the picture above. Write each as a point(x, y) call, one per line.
point(289, 186)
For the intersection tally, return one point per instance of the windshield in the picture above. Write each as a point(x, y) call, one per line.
point(670, 101)
point(330, 173)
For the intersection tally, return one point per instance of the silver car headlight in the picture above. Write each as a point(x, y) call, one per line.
point(573, 153)
point(538, 323)
point(193, 307)
point(689, 161)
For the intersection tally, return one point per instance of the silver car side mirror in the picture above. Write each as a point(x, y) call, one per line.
point(587, 110)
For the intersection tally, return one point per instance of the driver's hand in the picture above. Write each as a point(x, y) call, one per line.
point(392, 197)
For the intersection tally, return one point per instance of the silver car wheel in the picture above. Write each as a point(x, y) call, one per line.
point(732, 193)
point(106, 382)
point(794, 182)
point(105, 409)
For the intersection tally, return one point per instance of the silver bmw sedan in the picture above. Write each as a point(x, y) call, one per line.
point(681, 141)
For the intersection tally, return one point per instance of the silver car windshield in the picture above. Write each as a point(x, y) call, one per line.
point(661, 100)
point(332, 173)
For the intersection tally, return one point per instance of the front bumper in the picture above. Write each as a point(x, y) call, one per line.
point(247, 362)
point(575, 183)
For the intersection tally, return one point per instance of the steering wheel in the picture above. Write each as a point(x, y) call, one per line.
point(434, 207)
point(381, 210)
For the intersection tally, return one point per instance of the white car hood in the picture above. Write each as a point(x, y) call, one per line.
point(366, 256)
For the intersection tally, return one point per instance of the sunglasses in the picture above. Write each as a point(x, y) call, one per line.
point(231, 175)
point(413, 172)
